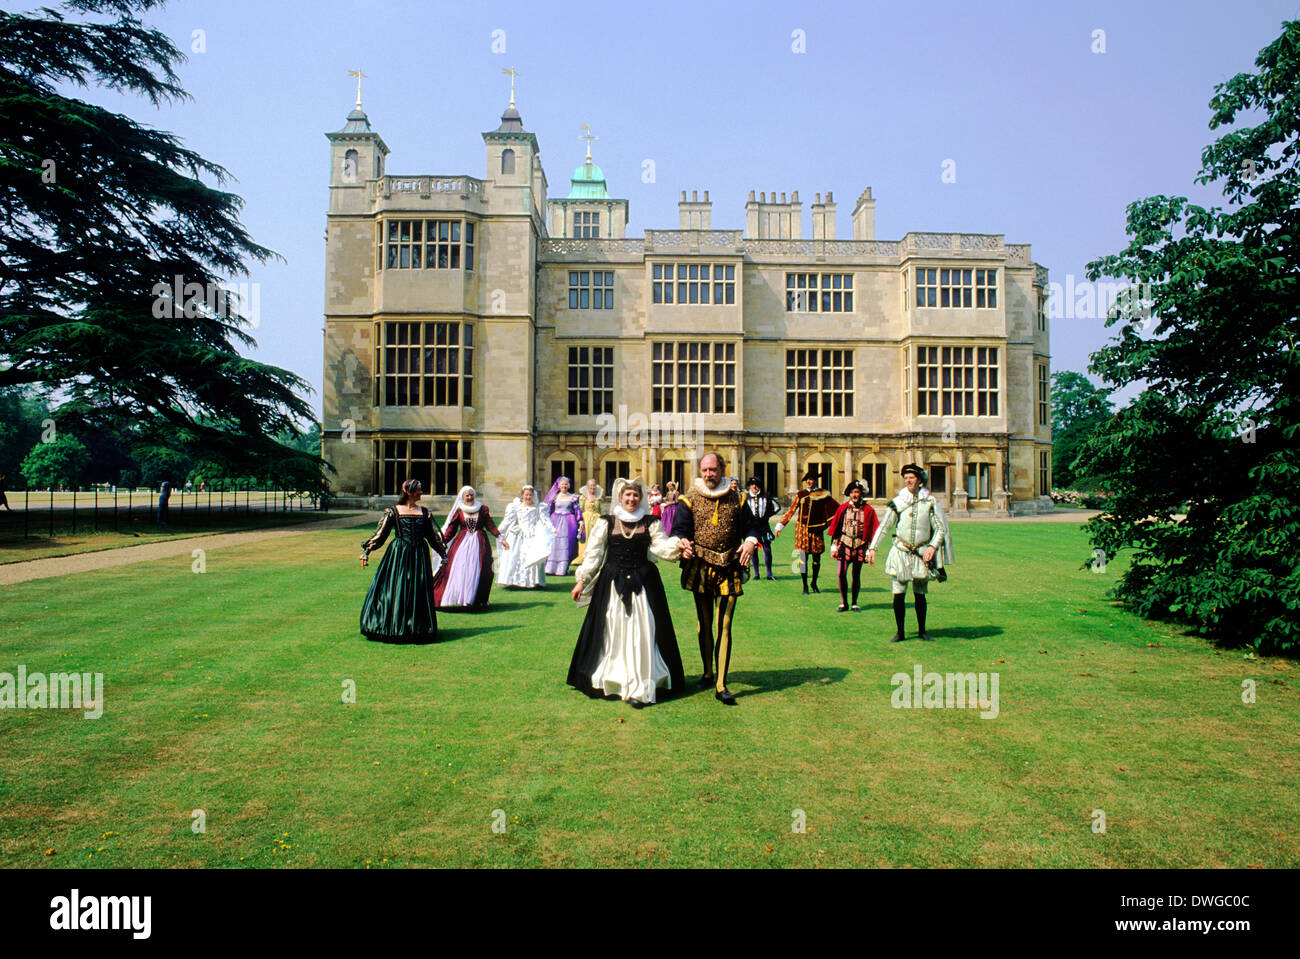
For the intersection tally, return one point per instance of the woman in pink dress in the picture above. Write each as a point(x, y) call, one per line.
point(465, 579)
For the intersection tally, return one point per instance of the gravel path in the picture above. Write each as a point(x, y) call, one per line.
point(103, 559)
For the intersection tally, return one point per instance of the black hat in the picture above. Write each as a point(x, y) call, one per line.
point(810, 475)
point(855, 484)
point(755, 481)
point(920, 473)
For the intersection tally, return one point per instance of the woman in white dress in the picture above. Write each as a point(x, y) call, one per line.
point(627, 647)
point(527, 529)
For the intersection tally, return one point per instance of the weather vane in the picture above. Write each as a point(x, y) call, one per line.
point(512, 73)
point(588, 136)
point(360, 76)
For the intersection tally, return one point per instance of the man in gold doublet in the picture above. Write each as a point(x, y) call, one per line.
point(718, 540)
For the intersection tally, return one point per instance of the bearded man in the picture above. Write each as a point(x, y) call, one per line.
point(718, 538)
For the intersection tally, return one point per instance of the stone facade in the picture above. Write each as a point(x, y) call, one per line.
point(471, 325)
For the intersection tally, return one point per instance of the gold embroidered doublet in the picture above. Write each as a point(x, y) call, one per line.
point(718, 526)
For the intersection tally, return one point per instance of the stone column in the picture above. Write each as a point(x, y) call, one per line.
point(960, 500)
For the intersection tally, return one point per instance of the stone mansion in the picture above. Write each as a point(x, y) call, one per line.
point(481, 332)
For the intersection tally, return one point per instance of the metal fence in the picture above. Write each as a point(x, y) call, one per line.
point(43, 512)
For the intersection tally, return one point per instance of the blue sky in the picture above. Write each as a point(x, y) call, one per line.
point(1050, 140)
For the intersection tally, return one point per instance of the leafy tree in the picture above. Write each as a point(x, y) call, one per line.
point(1203, 467)
point(59, 462)
point(163, 463)
point(1079, 409)
point(98, 217)
point(21, 414)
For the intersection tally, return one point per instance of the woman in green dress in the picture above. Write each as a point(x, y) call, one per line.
point(399, 604)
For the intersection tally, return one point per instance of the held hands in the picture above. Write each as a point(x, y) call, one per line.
point(688, 549)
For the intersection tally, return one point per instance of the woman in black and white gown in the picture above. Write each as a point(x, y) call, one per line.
point(627, 646)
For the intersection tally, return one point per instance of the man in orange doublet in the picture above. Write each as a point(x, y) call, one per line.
point(812, 510)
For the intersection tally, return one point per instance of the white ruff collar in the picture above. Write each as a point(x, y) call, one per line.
point(627, 517)
point(723, 487)
point(905, 496)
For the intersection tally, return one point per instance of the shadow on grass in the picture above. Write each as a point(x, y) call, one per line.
point(444, 636)
point(449, 635)
point(772, 680)
point(966, 632)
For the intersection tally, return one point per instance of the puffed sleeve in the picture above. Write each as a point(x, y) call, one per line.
point(834, 529)
point(485, 521)
point(873, 522)
point(683, 519)
point(886, 524)
point(663, 546)
point(510, 522)
point(594, 558)
point(381, 532)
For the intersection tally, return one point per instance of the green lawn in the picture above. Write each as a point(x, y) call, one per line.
point(15, 547)
point(224, 694)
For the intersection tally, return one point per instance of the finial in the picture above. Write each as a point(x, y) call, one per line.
point(360, 76)
point(512, 73)
point(588, 137)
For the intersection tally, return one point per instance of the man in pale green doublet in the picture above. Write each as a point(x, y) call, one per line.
point(922, 546)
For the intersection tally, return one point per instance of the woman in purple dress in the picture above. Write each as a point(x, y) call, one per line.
point(668, 505)
point(567, 520)
point(465, 579)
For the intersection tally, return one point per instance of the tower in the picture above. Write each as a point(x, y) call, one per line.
point(356, 155)
point(588, 212)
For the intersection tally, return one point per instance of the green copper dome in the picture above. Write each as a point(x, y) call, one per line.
point(588, 183)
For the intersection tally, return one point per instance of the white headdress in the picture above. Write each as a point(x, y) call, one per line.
point(460, 504)
point(616, 506)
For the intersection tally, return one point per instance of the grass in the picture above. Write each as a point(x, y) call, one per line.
point(17, 548)
point(224, 694)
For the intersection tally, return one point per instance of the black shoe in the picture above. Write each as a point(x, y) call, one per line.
point(725, 697)
point(897, 638)
point(805, 590)
point(855, 608)
point(815, 589)
point(926, 638)
point(771, 577)
point(841, 609)
point(705, 682)
point(637, 704)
